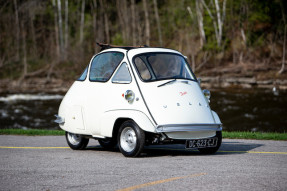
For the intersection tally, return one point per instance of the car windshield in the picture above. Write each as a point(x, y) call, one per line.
point(161, 66)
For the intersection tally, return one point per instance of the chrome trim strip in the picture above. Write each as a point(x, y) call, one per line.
point(189, 127)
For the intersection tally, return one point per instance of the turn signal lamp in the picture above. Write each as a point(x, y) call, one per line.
point(207, 94)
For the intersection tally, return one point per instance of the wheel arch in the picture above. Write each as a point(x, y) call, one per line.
point(112, 120)
point(118, 124)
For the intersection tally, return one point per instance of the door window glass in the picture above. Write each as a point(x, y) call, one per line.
point(104, 65)
point(123, 75)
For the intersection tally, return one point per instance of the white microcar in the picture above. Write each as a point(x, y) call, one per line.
point(137, 96)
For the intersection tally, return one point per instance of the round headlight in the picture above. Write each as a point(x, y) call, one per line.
point(129, 95)
point(207, 94)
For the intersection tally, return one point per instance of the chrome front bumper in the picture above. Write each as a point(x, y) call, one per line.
point(188, 127)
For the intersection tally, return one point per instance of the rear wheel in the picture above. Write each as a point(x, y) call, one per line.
point(213, 150)
point(76, 142)
point(131, 139)
point(108, 143)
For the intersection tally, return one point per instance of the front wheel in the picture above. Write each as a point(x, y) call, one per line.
point(76, 142)
point(213, 150)
point(131, 139)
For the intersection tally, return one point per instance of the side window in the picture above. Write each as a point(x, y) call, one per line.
point(84, 75)
point(104, 65)
point(123, 75)
point(142, 68)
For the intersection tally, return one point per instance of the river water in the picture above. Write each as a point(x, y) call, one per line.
point(239, 109)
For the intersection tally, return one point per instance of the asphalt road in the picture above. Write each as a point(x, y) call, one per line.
point(44, 163)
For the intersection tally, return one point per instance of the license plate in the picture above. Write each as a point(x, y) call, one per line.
point(201, 143)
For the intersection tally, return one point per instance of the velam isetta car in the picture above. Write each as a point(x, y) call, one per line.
point(137, 96)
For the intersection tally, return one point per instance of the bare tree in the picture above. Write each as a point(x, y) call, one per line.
point(124, 19)
point(94, 14)
point(218, 20)
point(56, 29)
point(133, 22)
point(66, 27)
point(24, 49)
point(147, 27)
point(17, 30)
point(157, 22)
point(31, 11)
point(199, 10)
point(61, 40)
point(82, 22)
point(284, 41)
point(106, 19)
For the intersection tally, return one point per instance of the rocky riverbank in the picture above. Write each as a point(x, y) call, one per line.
point(36, 85)
point(242, 82)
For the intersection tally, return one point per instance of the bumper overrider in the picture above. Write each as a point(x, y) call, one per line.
point(188, 127)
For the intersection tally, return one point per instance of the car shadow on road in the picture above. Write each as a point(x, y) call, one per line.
point(227, 148)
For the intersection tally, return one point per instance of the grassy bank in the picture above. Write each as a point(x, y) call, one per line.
point(255, 135)
point(31, 132)
point(226, 135)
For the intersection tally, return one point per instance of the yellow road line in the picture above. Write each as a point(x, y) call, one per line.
point(254, 152)
point(3, 147)
point(160, 182)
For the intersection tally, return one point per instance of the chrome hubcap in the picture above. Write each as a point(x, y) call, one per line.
point(128, 139)
point(74, 139)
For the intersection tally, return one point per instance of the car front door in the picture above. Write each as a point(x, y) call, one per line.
point(101, 70)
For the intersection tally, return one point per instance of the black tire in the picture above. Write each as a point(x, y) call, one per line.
point(107, 143)
point(212, 150)
point(76, 142)
point(131, 139)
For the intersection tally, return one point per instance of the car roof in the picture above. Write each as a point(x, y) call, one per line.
point(133, 50)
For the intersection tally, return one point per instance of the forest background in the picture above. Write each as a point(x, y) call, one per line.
point(52, 41)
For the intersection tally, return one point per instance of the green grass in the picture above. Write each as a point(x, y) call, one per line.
point(227, 135)
point(255, 135)
point(31, 132)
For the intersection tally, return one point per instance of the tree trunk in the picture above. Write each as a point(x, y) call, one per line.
point(121, 20)
point(82, 22)
point(218, 22)
point(31, 20)
point(147, 27)
point(157, 22)
point(199, 11)
point(94, 14)
point(126, 17)
point(17, 30)
point(106, 21)
point(213, 21)
point(284, 41)
point(25, 67)
point(66, 27)
point(284, 51)
point(60, 30)
point(133, 22)
point(56, 29)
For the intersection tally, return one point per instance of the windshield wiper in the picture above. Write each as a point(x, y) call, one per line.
point(167, 83)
